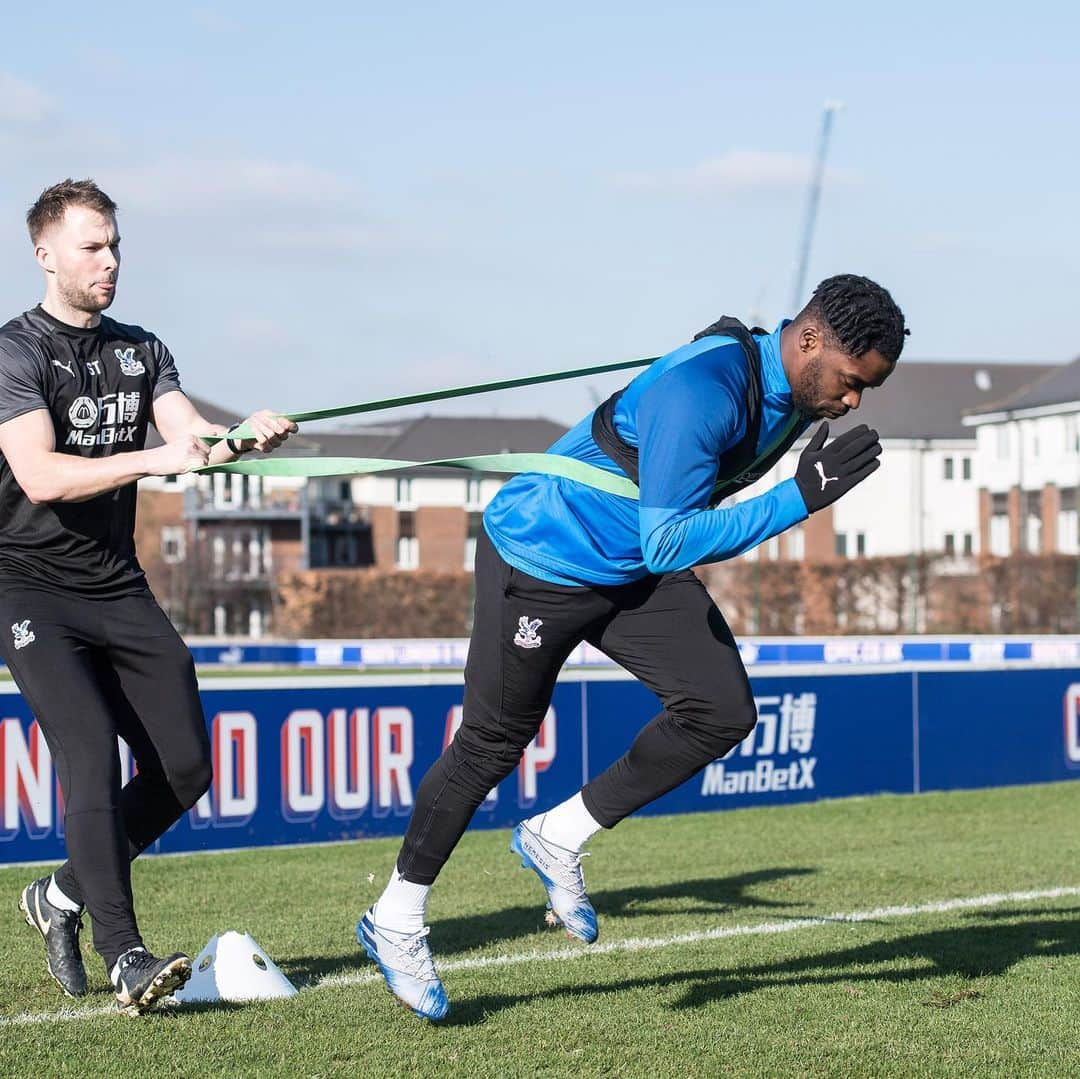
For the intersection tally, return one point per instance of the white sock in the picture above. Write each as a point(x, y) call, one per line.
point(59, 899)
point(402, 905)
point(569, 824)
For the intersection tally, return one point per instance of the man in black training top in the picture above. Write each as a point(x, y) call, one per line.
point(89, 648)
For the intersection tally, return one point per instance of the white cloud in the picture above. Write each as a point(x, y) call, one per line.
point(200, 198)
point(176, 185)
point(214, 21)
point(21, 103)
point(737, 172)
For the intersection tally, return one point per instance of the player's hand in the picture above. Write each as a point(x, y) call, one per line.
point(271, 430)
point(176, 458)
point(824, 473)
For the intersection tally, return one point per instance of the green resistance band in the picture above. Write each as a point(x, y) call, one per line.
point(510, 463)
point(244, 431)
point(550, 463)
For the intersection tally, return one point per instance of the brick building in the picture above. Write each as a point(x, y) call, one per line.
point(422, 518)
point(1005, 479)
point(214, 546)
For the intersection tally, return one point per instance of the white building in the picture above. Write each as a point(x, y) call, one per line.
point(925, 496)
point(1028, 466)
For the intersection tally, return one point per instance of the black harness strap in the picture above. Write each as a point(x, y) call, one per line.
point(740, 466)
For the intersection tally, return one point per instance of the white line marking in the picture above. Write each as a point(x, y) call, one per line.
point(629, 944)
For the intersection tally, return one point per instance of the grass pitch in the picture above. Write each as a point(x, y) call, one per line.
point(672, 989)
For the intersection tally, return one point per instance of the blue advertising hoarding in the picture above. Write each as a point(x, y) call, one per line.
point(315, 760)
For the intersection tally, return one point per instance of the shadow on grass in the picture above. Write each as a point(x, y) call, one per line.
point(985, 949)
point(199, 1007)
point(703, 896)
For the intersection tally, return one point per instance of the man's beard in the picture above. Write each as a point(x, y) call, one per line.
point(807, 393)
point(80, 299)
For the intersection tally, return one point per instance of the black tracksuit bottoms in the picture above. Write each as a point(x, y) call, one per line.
point(94, 670)
point(665, 630)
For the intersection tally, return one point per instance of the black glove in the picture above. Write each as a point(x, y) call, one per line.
point(824, 473)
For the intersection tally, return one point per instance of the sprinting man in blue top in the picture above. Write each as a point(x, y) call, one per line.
point(563, 563)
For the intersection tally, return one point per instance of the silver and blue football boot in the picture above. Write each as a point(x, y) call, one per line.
point(559, 870)
point(404, 959)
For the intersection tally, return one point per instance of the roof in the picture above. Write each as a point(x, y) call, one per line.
point(427, 438)
point(1057, 386)
point(422, 438)
point(927, 399)
point(363, 442)
point(431, 437)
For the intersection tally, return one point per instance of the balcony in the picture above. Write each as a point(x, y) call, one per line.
point(245, 502)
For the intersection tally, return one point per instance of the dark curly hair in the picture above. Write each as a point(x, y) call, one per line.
point(860, 315)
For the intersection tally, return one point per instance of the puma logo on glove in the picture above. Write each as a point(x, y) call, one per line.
point(821, 472)
point(845, 462)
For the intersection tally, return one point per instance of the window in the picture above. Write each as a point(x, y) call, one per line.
point(345, 491)
point(772, 549)
point(1033, 521)
point(474, 525)
point(841, 544)
point(404, 494)
point(1002, 442)
point(969, 544)
point(408, 552)
point(173, 544)
point(223, 490)
point(218, 548)
point(171, 481)
point(999, 537)
point(966, 468)
point(255, 550)
point(948, 468)
point(1072, 435)
point(1000, 540)
point(473, 491)
point(1068, 529)
point(950, 544)
point(797, 543)
point(860, 543)
point(408, 546)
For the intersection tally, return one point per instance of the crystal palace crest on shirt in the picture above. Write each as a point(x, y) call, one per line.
point(129, 364)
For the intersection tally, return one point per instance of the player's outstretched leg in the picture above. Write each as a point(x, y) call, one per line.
point(404, 959)
point(550, 845)
point(59, 926)
point(142, 980)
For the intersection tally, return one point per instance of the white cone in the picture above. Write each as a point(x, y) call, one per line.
point(233, 967)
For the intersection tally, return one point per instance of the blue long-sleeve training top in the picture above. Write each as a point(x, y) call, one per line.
point(683, 413)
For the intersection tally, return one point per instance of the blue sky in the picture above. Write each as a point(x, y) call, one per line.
point(330, 202)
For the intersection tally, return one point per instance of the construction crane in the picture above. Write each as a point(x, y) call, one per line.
point(813, 198)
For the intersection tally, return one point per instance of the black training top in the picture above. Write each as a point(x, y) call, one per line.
point(98, 386)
